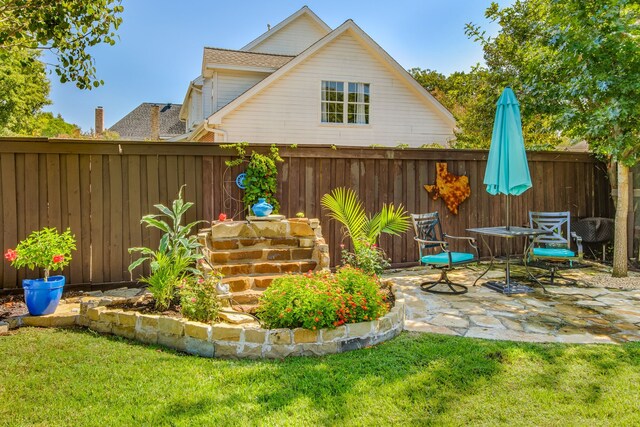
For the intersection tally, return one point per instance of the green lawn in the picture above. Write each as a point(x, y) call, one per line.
point(73, 377)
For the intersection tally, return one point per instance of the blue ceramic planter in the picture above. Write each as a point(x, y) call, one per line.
point(262, 208)
point(43, 297)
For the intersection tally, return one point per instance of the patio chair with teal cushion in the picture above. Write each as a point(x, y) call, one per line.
point(434, 251)
point(554, 250)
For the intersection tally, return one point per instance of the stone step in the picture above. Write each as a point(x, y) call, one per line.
point(270, 267)
point(243, 283)
point(250, 296)
point(238, 256)
point(230, 243)
point(245, 308)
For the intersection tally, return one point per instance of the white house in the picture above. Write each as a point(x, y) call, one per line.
point(302, 82)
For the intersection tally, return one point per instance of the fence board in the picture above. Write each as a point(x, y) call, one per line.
point(9, 214)
point(101, 192)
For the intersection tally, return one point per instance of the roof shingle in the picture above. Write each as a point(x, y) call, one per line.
point(137, 124)
point(240, 58)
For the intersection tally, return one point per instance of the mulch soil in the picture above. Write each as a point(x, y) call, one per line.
point(14, 305)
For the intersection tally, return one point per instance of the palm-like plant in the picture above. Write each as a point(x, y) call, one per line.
point(345, 207)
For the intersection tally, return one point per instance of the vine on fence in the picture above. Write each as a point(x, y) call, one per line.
point(261, 174)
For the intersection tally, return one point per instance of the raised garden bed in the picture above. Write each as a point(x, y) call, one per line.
point(106, 315)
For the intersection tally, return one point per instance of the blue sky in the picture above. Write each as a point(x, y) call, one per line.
point(161, 41)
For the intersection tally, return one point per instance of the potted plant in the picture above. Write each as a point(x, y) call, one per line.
point(50, 250)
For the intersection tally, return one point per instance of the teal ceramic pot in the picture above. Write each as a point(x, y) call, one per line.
point(262, 208)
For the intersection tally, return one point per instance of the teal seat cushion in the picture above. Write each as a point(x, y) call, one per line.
point(554, 252)
point(443, 258)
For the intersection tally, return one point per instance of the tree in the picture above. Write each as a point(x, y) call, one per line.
point(471, 97)
point(579, 62)
point(24, 90)
point(54, 126)
point(67, 28)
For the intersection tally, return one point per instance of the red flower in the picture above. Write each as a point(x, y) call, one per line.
point(222, 216)
point(58, 258)
point(11, 255)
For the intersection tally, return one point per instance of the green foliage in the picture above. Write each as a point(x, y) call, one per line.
point(300, 215)
point(177, 238)
point(309, 301)
point(24, 90)
point(368, 257)
point(262, 175)
point(578, 62)
point(66, 28)
point(177, 253)
point(262, 179)
point(241, 151)
point(345, 207)
point(47, 249)
point(54, 126)
point(365, 300)
point(321, 300)
point(471, 97)
point(198, 297)
point(168, 270)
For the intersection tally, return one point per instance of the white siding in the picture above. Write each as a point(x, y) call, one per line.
point(288, 111)
point(195, 115)
point(292, 39)
point(233, 84)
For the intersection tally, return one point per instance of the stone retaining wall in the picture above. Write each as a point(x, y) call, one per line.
point(238, 341)
point(219, 340)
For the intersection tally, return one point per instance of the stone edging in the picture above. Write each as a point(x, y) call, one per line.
point(226, 340)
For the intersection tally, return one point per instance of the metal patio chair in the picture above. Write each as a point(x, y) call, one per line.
point(554, 250)
point(430, 238)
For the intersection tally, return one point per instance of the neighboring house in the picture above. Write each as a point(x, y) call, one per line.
point(302, 82)
point(139, 123)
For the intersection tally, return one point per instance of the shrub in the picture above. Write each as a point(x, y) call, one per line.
point(198, 298)
point(368, 257)
point(364, 300)
point(321, 300)
point(307, 300)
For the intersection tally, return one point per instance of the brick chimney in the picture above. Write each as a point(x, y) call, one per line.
point(155, 123)
point(99, 121)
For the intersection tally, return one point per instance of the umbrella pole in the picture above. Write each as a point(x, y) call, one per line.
point(508, 221)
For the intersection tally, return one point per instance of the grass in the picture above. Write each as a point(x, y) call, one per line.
point(72, 377)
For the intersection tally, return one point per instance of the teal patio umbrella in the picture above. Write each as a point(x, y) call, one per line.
point(507, 169)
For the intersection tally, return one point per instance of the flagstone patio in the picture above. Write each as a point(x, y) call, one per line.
point(568, 314)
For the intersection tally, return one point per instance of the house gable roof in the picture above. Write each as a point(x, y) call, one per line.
point(348, 25)
point(227, 58)
point(304, 11)
point(137, 124)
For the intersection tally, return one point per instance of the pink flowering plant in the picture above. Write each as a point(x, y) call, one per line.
point(198, 297)
point(47, 249)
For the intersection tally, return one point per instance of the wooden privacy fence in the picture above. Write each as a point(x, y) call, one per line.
point(101, 190)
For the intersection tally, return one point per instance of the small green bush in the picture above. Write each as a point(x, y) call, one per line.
point(167, 272)
point(322, 300)
point(368, 257)
point(198, 298)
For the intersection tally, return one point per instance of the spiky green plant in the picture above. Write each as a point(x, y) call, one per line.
point(345, 207)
